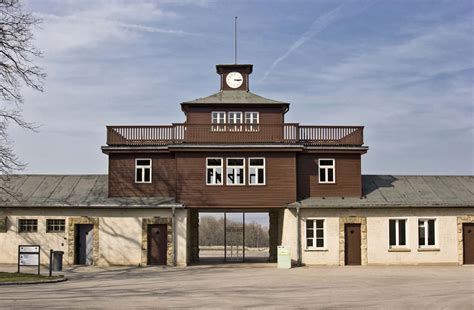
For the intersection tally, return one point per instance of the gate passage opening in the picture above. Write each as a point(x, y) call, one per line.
point(233, 237)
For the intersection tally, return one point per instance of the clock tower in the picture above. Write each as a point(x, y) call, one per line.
point(234, 77)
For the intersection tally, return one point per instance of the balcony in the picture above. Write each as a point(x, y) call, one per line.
point(235, 134)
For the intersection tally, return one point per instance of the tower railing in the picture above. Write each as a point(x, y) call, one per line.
point(227, 133)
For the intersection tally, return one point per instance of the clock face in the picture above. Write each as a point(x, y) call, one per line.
point(234, 79)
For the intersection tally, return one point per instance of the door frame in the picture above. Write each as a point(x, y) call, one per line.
point(363, 237)
point(72, 222)
point(347, 243)
point(462, 220)
point(77, 236)
point(149, 228)
point(169, 246)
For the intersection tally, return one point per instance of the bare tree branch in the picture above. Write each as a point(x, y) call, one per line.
point(17, 69)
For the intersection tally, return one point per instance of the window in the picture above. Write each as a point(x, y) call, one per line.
point(235, 171)
point(397, 232)
point(218, 118)
point(143, 171)
point(326, 171)
point(315, 234)
point(256, 171)
point(235, 118)
point(426, 232)
point(25, 226)
point(251, 118)
point(55, 226)
point(214, 171)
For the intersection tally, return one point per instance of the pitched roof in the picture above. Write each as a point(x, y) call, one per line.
point(234, 97)
point(378, 191)
point(68, 191)
point(403, 191)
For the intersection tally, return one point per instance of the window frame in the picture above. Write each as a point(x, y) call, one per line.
point(143, 171)
point(315, 247)
point(52, 231)
point(227, 167)
point(215, 126)
point(235, 126)
point(333, 166)
point(426, 220)
point(213, 167)
point(252, 127)
point(397, 235)
point(19, 230)
point(264, 166)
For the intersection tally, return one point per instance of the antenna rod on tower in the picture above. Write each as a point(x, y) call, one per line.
point(235, 38)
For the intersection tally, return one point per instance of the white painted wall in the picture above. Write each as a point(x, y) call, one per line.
point(446, 251)
point(120, 233)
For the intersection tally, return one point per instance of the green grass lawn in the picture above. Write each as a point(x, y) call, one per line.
point(24, 277)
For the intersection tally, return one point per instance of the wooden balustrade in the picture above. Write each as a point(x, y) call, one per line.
point(235, 133)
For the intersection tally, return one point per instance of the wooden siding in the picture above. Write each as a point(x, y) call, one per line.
point(202, 115)
point(122, 176)
point(348, 176)
point(279, 190)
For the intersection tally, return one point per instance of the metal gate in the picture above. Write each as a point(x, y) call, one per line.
point(234, 236)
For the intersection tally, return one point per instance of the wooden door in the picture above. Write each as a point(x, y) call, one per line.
point(352, 244)
point(157, 244)
point(468, 243)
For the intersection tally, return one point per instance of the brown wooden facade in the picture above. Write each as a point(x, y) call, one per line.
point(179, 151)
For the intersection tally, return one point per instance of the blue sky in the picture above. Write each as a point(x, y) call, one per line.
point(403, 69)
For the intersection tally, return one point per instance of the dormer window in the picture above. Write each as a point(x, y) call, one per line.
point(143, 170)
point(327, 171)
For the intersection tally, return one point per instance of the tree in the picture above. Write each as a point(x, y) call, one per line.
point(16, 70)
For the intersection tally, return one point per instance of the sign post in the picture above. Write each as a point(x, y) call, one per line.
point(29, 255)
point(284, 257)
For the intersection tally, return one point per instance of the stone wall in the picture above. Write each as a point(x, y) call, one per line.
point(363, 235)
point(462, 220)
point(3, 224)
point(71, 233)
point(169, 239)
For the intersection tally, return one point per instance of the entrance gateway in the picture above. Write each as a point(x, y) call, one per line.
point(233, 237)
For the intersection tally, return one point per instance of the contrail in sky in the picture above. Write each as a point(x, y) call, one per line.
point(321, 23)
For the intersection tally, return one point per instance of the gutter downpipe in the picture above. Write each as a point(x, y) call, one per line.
point(298, 238)
point(173, 224)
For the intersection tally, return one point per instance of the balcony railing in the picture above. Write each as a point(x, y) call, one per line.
point(235, 134)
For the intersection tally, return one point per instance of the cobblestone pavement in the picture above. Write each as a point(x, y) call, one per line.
point(259, 285)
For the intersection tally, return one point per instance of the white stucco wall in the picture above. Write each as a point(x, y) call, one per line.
point(120, 233)
point(445, 251)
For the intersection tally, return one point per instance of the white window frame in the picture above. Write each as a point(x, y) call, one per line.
point(264, 166)
point(143, 167)
point(56, 225)
point(326, 168)
point(315, 247)
point(397, 235)
point(214, 179)
point(233, 120)
point(425, 220)
point(28, 225)
point(250, 125)
point(219, 120)
point(235, 167)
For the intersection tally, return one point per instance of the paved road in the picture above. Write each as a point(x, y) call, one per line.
point(256, 286)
